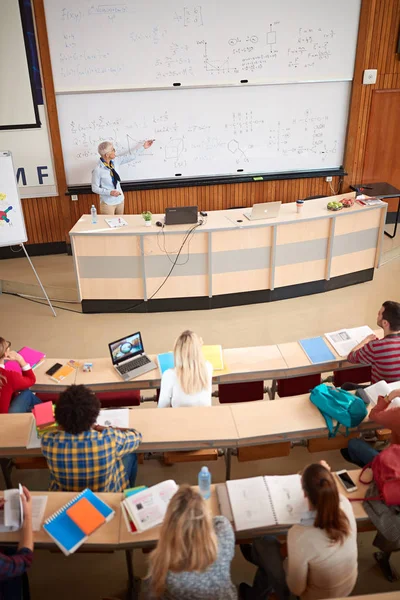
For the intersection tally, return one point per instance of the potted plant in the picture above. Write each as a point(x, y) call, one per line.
point(147, 218)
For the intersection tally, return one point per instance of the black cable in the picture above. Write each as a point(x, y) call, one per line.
point(77, 312)
point(189, 239)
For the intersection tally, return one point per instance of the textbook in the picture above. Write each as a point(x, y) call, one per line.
point(317, 350)
point(12, 515)
point(148, 507)
point(211, 353)
point(381, 388)
point(344, 340)
point(259, 502)
point(63, 525)
point(130, 525)
point(31, 356)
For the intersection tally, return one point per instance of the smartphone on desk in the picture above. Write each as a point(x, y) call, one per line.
point(346, 481)
point(53, 369)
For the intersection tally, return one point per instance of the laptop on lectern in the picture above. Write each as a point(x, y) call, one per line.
point(266, 210)
point(181, 215)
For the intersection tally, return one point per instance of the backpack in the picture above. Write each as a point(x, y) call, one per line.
point(339, 405)
point(386, 474)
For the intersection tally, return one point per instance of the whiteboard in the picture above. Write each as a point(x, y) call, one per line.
point(156, 43)
point(12, 224)
point(205, 132)
point(17, 107)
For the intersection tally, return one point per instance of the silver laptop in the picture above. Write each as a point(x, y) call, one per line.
point(129, 358)
point(267, 210)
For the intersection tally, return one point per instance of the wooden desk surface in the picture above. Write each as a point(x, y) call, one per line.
point(15, 430)
point(184, 428)
point(107, 535)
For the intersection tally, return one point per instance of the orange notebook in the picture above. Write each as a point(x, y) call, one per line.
point(86, 516)
point(62, 373)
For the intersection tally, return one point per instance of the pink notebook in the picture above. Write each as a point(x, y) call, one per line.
point(43, 413)
point(33, 357)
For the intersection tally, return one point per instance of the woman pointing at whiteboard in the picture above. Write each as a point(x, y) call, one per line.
point(105, 180)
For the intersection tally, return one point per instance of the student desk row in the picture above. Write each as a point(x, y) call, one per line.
point(228, 426)
point(241, 365)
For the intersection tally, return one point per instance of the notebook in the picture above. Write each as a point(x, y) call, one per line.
point(68, 535)
point(147, 508)
point(31, 356)
point(12, 515)
point(259, 502)
point(211, 353)
point(43, 413)
point(344, 340)
point(86, 516)
point(317, 350)
point(62, 373)
point(381, 388)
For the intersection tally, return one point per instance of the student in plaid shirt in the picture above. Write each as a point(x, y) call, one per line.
point(83, 454)
point(15, 563)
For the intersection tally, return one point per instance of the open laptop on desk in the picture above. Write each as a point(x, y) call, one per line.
point(129, 358)
point(181, 215)
point(266, 210)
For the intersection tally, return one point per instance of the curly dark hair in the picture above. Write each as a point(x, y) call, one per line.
point(77, 409)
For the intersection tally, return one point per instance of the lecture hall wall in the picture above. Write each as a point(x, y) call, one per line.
point(48, 220)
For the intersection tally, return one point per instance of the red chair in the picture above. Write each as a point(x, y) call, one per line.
point(111, 399)
point(357, 375)
point(229, 393)
point(294, 386)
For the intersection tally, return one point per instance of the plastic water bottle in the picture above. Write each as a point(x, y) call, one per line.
point(205, 482)
point(93, 212)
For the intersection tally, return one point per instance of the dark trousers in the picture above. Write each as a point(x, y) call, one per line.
point(270, 576)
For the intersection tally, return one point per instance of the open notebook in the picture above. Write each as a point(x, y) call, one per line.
point(381, 388)
point(263, 501)
point(344, 340)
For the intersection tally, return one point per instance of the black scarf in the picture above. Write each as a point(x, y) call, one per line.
point(114, 175)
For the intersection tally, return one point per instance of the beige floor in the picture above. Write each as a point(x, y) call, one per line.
point(78, 335)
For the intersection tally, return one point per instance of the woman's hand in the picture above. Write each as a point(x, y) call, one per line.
point(115, 193)
point(12, 355)
point(392, 396)
point(147, 144)
point(323, 463)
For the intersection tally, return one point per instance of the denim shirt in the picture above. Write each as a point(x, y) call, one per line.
point(101, 177)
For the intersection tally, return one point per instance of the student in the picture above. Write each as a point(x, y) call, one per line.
point(15, 397)
point(383, 355)
point(105, 179)
point(82, 454)
point(322, 550)
point(361, 453)
point(189, 383)
point(14, 564)
point(193, 556)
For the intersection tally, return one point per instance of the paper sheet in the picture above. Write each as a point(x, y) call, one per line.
point(118, 417)
point(287, 498)
point(11, 517)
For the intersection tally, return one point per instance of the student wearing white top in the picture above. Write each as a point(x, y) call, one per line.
point(189, 382)
point(322, 549)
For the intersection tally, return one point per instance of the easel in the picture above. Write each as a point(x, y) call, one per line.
point(9, 186)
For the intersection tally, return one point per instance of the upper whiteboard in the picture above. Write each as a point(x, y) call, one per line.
point(208, 131)
point(158, 43)
point(12, 224)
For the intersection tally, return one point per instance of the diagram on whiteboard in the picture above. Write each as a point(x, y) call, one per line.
point(216, 66)
point(12, 225)
point(4, 212)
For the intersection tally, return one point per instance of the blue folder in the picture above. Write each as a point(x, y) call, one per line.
point(166, 361)
point(317, 350)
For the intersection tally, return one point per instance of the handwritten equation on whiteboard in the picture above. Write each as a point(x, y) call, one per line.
point(139, 43)
point(246, 130)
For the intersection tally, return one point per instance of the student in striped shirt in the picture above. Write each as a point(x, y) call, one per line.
point(383, 355)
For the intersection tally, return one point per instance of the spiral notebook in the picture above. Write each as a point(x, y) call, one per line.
point(259, 502)
point(65, 532)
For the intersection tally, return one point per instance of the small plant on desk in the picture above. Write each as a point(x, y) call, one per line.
point(147, 218)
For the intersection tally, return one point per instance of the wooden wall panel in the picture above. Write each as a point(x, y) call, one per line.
point(49, 219)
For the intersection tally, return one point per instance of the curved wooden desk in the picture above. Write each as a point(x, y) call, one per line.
point(230, 260)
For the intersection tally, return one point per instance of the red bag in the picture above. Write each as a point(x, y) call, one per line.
point(386, 474)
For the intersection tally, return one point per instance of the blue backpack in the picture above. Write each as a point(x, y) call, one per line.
point(339, 405)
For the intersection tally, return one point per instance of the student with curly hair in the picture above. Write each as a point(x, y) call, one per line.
point(82, 454)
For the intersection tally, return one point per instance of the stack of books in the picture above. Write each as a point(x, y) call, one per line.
point(44, 418)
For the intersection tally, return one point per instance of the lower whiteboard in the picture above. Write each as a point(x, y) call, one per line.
point(208, 131)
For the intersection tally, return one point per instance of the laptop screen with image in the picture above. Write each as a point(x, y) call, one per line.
point(126, 348)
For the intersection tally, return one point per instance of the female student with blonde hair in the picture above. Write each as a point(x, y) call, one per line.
point(189, 382)
point(322, 549)
point(12, 382)
point(193, 556)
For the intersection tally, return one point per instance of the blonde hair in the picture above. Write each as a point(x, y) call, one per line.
point(188, 541)
point(4, 346)
point(190, 365)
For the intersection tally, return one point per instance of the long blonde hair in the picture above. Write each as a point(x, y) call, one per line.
point(187, 539)
point(190, 365)
point(4, 346)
